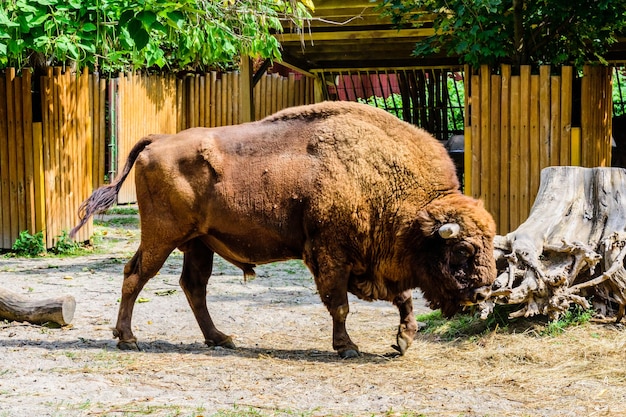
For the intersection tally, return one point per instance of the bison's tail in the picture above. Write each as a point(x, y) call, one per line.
point(106, 196)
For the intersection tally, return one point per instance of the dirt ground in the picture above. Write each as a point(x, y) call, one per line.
point(284, 364)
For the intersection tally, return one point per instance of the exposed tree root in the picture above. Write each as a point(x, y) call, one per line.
point(571, 248)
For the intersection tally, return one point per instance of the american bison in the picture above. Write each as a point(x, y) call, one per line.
point(370, 203)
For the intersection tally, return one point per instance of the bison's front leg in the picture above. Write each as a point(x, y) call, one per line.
point(408, 324)
point(331, 279)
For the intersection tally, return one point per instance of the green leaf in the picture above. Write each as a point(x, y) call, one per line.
point(89, 27)
point(138, 34)
point(147, 18)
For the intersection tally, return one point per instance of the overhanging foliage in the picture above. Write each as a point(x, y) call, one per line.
point(518, 32)
point(113, 35)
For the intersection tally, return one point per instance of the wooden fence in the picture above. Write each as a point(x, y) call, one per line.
point(516, 125)
point(48, 167)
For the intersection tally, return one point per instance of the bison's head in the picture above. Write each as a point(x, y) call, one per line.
point(456, 252)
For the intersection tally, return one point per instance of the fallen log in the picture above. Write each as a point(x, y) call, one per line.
point(571, 248)
point(16, 307)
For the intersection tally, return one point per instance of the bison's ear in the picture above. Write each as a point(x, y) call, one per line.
point(427, 223)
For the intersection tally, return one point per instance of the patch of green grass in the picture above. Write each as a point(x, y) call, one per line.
point(575, 316)
point(461, 325)
point(119, 222)
point(125, 210)
point(470, 326)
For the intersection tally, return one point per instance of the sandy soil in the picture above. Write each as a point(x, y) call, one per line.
point(284, 364)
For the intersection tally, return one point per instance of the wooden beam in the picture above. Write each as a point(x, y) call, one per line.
point(356, 34)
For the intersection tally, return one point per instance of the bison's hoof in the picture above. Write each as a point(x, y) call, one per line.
point(132, 345)
point(226, 343)
point(349, 354)
point(402, 345)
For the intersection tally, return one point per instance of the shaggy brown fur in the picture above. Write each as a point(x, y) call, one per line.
point(356, 193)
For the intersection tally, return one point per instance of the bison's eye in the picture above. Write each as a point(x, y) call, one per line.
point(461, 252)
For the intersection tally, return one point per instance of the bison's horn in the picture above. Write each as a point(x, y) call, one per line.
point(449, 230)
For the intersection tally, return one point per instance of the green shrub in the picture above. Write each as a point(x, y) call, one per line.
point(29, 245)
point(64, 245)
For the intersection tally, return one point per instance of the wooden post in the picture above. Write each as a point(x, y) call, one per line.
point(246, 91)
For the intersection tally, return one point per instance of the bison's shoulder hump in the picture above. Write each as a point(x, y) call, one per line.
point(323, 110)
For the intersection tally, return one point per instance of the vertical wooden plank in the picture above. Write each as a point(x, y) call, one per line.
point(476, 137)
point(505, 149)
point(67, 167)
point(13, 169)
point(247, 92)
point(524, 143)
point(202, 97)
point(259, 98)
point(55, 143)
point(214, 96)
point(291, 88)
point(275, 92)
point(196, 98)
point(87, 147)
point(279, 93)
point(191, 101)
point(495, 154)
point(555, 120)
point(94, 109)
point(468, 132)
point(566, 115)
point(5, 204)
point(218, 100)
point(535, 139)
point(235, 99)
point(101, 135)
point(586, 119)
point(608, 116)
point(514, 178)
point(180, 107)
point(29, 166)
point(268, 96)
point(224, 87)
point(485, 141)
point(207, 100)
point(47, 133)
point(38, 177)
point(545, 115)
point(20, 156)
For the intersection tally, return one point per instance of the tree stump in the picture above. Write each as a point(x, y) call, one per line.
point(16, 307)
point(569, 250)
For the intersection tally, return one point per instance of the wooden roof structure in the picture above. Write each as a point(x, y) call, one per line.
point(352, 34)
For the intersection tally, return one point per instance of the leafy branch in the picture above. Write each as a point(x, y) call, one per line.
point(114, 35)
point(518, 32)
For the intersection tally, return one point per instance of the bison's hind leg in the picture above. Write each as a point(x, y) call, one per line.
point(197, 268)
point(144, 265)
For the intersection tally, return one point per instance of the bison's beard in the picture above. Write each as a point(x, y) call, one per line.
point(448, 307)
point(451, 300)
